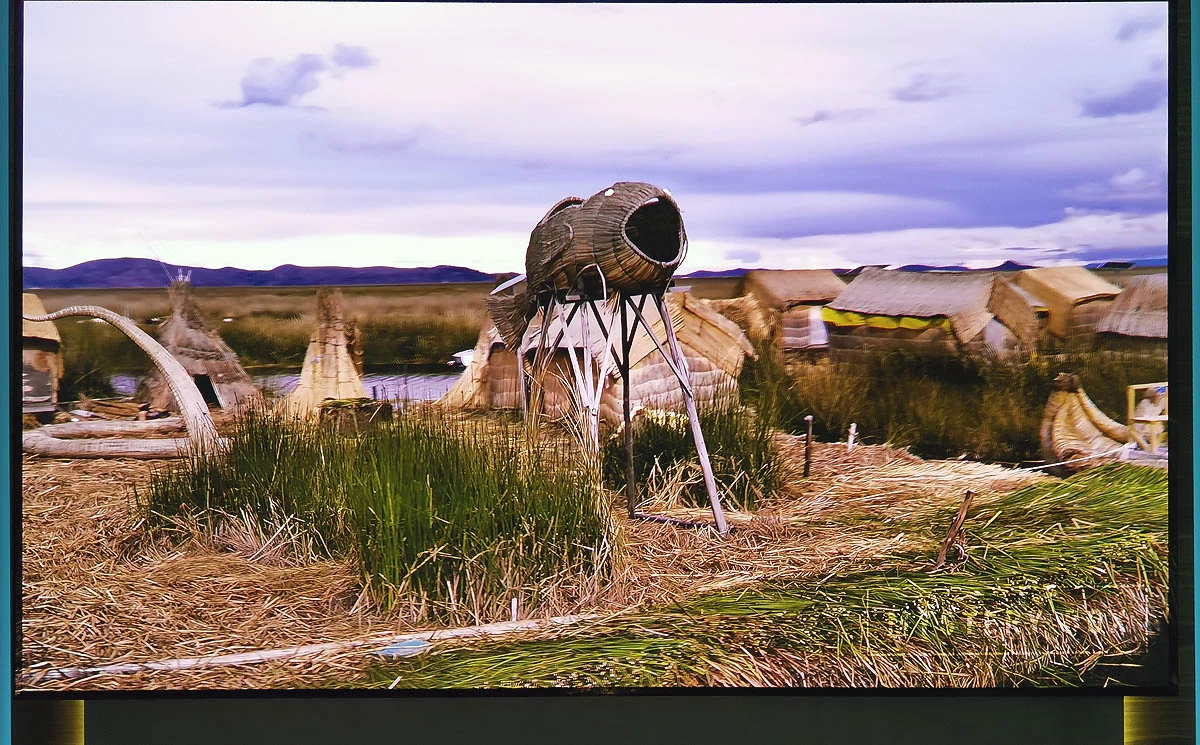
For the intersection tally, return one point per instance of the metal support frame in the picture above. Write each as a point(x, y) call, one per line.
point(672, 353)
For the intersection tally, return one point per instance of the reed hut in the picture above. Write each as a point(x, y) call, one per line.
point(329, 371)
point(41, 359)
point(969, 313)
point(1075, 299)
point(797, 296)
point(490, 380)
point(1137, 319)
point(758, 322)
point(214, 367)
point(714, 346)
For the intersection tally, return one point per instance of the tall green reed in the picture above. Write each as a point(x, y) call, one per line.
point(450, 520)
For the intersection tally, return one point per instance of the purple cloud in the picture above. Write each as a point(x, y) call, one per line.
point(1142, 96)
point(345, 55)
point(1136, 27)
point(921, 88)
point(828, 115)
point(274, 83)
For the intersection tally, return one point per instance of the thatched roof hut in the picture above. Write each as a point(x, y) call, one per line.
point(207, 358)
point(796, 295)
point(1076, 298)
point(329, 370)
point(714, 346)
point(1138, 315)
point(945, 312)
point(784, 289)
point(41, 358)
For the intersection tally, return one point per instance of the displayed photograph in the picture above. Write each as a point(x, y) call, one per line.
point(604, 347)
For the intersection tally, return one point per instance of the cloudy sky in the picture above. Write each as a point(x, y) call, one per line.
point(793, 136)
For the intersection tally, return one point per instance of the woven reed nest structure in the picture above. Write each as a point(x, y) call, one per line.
point(632, 232)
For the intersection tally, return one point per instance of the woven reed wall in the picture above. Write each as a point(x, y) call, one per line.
point(799, 331)
point(503, 383)
point(654, 386)
point(1085, 316)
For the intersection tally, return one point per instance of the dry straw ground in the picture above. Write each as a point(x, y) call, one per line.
point(97, 591)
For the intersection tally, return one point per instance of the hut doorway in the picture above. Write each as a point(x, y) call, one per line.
point(204, 384)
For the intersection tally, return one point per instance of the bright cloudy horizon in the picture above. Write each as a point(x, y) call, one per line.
point(793, 136)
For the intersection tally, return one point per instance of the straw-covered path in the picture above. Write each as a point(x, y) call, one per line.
point(97, 591)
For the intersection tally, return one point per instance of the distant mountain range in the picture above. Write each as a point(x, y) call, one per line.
point(111, 273)
point(135, 273)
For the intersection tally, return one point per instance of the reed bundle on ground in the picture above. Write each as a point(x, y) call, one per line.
point(1064, 583)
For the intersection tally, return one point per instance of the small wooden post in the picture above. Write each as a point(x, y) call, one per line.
point(808, 445)
point(374, 393)
point(710, 483)
point(955, 529)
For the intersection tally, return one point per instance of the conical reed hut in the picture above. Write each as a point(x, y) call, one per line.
point(214, 367)
point(329, 371)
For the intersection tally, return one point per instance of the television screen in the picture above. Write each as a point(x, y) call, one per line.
point(395, 347)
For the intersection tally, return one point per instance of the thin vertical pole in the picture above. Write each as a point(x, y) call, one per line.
point(521, 379)
point(623, 368)
point(710, 483)
point(586, 393)
point(808, 445)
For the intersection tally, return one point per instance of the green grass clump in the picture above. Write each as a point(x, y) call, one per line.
point(438, 507)
point(943, 407)
point(450, 519)
point(746, 463)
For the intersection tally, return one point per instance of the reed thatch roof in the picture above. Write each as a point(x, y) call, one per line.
point(962, 297)
point(1141, 310)
point(1061, 288)
point(202, 352)
point(329, 371)
point(782, 289)
point(31, 305)
point(1071, 283)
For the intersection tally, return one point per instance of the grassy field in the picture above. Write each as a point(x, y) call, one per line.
point(940, 407)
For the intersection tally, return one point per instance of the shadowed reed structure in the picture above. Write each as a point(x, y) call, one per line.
point(619, 249)
point(202, 433)
point(208, 359)
point(41, 359)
